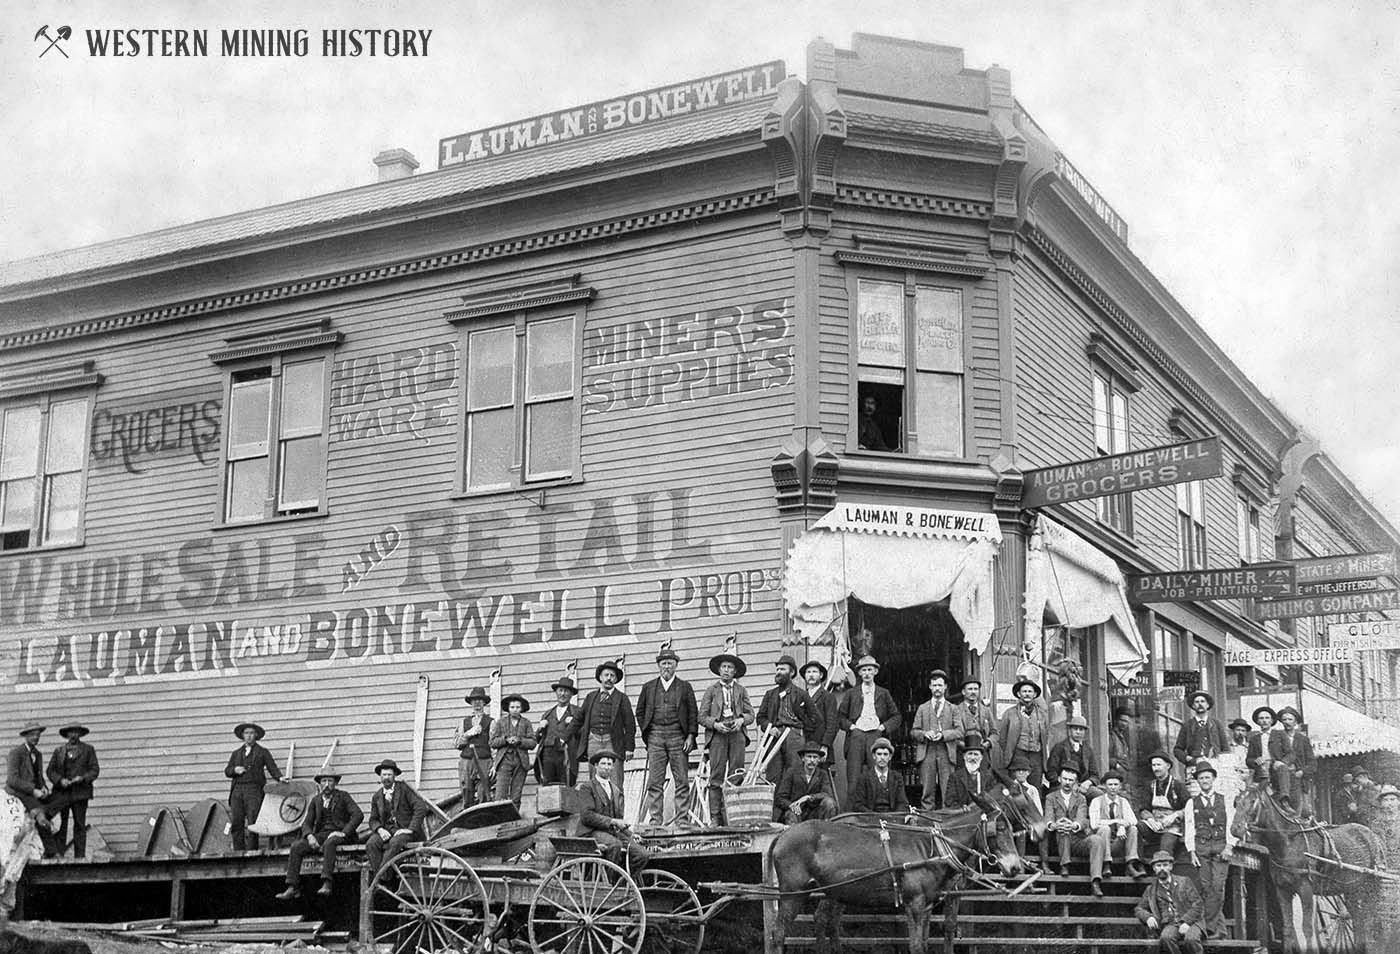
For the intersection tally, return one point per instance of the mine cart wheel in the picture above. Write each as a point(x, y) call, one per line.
point(1336, 931)
point(587, 906)
point(675, 918)
point(427, 899)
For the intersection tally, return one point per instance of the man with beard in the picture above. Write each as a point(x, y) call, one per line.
point(1162, 819)
point(866, 713)
point(823, 708)
point(1025, 728)
point(396, 815)
point(332, 818)
point(937, 729)
point(72, 770)
point(785, 706)
point(973, 777)
point(608, 723)
point(1171, 909)
point(668, 721)
point(1201, 735)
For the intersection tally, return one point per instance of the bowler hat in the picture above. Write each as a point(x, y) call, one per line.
point(608, 664)
point(1239, 722)
point(1076, 722)
point(1019, 763)
point(1297, 716)
point(1269, 709)
point(32, 726)
point(864, 661)
point(75, 729)
point(564, 682)
point(1160, 754)
point(667, 653)
point(811, 747)
point(1210, 699)
point(938, 674)
point(1023, 681)
point(258, 731)
point(739, 666)
point(1202, 767)
point(388, 764)
point(1166, 856)
point(809, 664)
point(477, 693)
point(513, 697)
point(969, 681)
point(601, 753)
point(786, 660)
point(881, 743)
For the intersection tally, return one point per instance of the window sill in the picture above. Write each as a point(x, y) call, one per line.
point(518, 490)
point(48, 548)
point(264, 521)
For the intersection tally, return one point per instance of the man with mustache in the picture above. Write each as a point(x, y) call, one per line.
point(1171, 909)
point(332, 818)
point(786, 706)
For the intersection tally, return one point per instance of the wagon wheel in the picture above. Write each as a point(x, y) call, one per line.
point(675, 917)
point(428, 899)
point(1336, 931)
point(587, 906)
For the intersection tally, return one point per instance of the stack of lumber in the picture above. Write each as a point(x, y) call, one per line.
point(269, 930)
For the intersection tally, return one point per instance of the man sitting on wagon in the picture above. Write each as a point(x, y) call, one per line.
point(396, 816)
point(600, 815)
point(805, 790)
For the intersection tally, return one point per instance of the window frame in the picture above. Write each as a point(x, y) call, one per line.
point(1191, 510)
point(1113, 510)
point(910, 280)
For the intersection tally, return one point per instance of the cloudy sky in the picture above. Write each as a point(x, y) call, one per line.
point(1252, 147)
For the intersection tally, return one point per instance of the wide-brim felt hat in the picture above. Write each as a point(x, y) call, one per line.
point(864, 661)
point(1113, 773)
point(524, 703)
point(1269, 709)
point(1076, 722)
point(477, 693)
point(609, 664)
point(1202, 767)
point(667, 653)
point(1210, 699)
point(739, 665)
point(786, 660)
point(1019, 763)
point(809, 664)
point(1297, 716)
point(1161, 754)
point(32, 725)
point(1016, 686)
point(608, 753)
point(564, 682)
point(1237, 721)
point(258, 731)
point(388, 764)
point(881, 743)
point(810, 747)
point(320, 775)
point(75, 728)
point(1166, 856)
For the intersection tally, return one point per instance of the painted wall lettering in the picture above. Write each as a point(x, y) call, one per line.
point(372, 554)
point(399, 394)
point(680, 359)
point(169, 428)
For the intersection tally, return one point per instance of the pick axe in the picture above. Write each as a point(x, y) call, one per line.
point(64, 33)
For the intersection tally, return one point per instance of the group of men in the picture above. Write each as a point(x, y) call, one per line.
point(62, 789)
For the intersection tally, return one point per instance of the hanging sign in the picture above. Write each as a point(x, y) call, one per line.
point(1371, 636)
point(1136, 470)
point(1187, 679)
point(1375, 602)
point(911, 521)
point(1337, 586)
point(1226, 584)
point(1297, 656)
point(1141, 687)
point(1345, 566)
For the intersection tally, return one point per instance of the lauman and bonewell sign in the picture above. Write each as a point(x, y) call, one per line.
point(1121, 473)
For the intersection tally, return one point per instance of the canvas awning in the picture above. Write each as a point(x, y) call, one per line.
point(1336, 730)
point(894, 557)
point(1080, 586)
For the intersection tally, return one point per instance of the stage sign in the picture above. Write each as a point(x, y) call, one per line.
point(1298, 656)
point(1136, 470)
point(1346, 566)
point(1375, 602)
point(1370, 636)
point(1276, 579)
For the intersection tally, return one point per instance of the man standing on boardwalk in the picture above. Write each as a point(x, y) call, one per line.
point(726, 713)
point(1025, 728)
point(785, 707)
point(608, 723)
point(557, 759)
point(867, 714)
point(473, 741)
point(937, 730)
point(72, 770)
point(1209, 818)
point(668, 721)
point(249, 768)
point(1201, 736)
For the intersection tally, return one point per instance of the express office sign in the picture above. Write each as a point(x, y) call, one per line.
point(1121, 473)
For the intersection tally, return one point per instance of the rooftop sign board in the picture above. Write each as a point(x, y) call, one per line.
point(611, 115)
point(1135, 470)
point(1227, 584)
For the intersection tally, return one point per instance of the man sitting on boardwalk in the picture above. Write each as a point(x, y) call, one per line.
point(1171, 909)
point(332, 818)
point(1069, 820)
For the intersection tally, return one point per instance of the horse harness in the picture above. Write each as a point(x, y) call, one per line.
point(1328, 849)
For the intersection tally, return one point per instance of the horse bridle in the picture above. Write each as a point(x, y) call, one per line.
point(1251, 821)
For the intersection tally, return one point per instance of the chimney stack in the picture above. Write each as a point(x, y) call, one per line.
point(395, 164)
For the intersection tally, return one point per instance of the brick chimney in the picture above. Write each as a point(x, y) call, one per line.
point(395, 164)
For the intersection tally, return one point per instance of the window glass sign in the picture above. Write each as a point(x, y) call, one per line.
point(938, 329)
point(880, 325)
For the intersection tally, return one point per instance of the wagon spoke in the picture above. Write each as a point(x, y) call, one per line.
point(408, 922)
point(411, 905)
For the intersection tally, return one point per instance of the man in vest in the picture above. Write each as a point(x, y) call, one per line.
point(806, 790)
point(1025, 728)
point(608, 723)
point(1163, 817)
point(1201, 735)
point(1069, 820)
point(473, 742)
point(785, 706)
point(867, 714)
point(1112, 818)
point(512, 738)
point(1171, 909)
point(1209, 817)
point(396, 816)
point(332, 820)
point(558, 765)
point(249, 768)
point(1073, 750)
point(726, 713)
point(601, 812)
point(72, 770)
point(937, 730)
point(880, 788)
point(823, 709)
point(668, 721)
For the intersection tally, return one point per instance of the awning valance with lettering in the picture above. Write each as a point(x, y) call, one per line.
point(1080, 586)
point(1335, 730)
point(895, 557)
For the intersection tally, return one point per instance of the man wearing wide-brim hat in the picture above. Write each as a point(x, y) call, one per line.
point(1025, 728)
point(1293, 761)
point(556, 760)
point(512, 739)
point(823, 707)
point(1201, 736)
point(786, 708)
point(473, 742)
point(332, 819)
point(249, 768)
point(1257, 754)
point(72, 770)
point(24, 779)
point(866, 713)
point(608, 721)
point(396, 816)
point(1171, 908)
point(805, 790)
point(726, 713)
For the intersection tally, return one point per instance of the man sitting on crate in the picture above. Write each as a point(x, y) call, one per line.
point(600, 814)
point(396, 816)
point(332, 818)
point(805, 790)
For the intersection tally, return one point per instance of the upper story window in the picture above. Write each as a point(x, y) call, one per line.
point(1111, 417)
point(44, 423)
point(1191, 524)
point(522, 406)
point(1247, 530)
point(277, 422)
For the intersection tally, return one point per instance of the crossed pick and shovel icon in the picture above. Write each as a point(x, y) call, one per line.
point(64, 33)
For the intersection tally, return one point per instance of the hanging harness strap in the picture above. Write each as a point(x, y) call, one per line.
point(889, 859)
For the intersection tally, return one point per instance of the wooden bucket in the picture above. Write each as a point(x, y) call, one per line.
point(748, 805)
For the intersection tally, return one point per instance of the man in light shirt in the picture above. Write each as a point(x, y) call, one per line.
point(1112, 818)
point(867, 713)
point(1209, 818)
point(726, 713)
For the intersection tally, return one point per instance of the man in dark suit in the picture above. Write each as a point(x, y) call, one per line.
point(1294, 763)
point(866, 713)
point(1069, 820)
point(473, 742)
point(557, 759)
point(24, 779)
point(396, 814)
point(1024, 728)
point(1074, 751)
point(72, 770)
point(601, 812)
point(332, 820)
point(806, 790)
point(250, 766)
point(822, 704)
point(668, 719)
point(879, 787)
point(1171, 909)
point(977, 717)
point(973, 776)
point(608, 723)
point(1201, 736)
point(786, 706)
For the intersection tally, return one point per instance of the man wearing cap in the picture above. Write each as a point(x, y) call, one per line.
point(785, 707)
point(805, 790)
point(668, 720)
point(1163, 818)
point(977, 717)
point(24, 779)
point(1073, 750)
point(1069, 820)
point(866, 713)
point(473, 741)
point(600, 816)
point(512, 738)
point(1210, 843)
point(1112, 818)
point(823, 708)
point(1025, 728)
point(1293, 761)
point(1201, 735)
point(1257, 756)
point(396, 815)
point(72, 770)
point(936, 731)
point(879, 787)
point(1171, 909)
point(332, 819)
point(608, 722)
point(725, 712)
point(558, 764)
point(973, 777)
point(249, 768)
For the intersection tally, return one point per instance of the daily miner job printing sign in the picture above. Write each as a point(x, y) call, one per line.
point(1136, 470)
point(611, 115)
point(1245, 582)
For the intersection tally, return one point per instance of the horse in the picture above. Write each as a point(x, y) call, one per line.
point(878, 861)
point(1289, 840)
